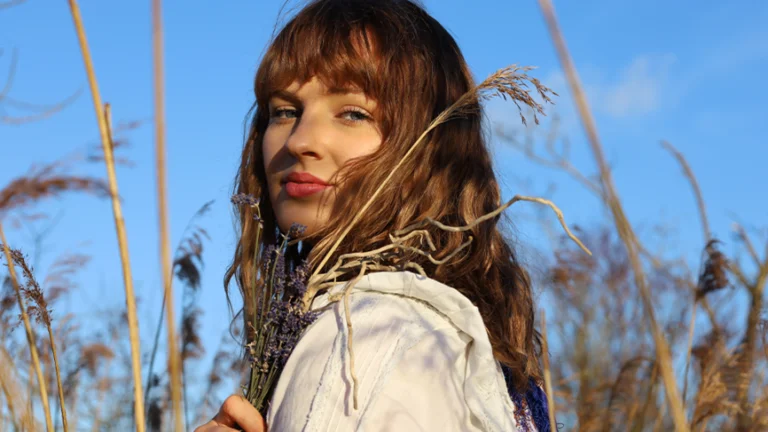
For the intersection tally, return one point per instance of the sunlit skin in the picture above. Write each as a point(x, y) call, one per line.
point(316, 130)
point(235, 414)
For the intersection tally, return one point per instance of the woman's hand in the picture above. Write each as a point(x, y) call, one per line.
point(235, 414)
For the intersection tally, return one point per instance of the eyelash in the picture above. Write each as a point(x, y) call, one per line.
point(277, 114)
point(351, 110)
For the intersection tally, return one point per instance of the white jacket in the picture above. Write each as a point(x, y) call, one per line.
point(422, 358)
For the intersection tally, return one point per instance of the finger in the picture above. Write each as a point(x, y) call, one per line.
point(236, 411)
point(213, 426)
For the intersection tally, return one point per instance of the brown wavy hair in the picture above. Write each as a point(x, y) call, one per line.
point(404, 59)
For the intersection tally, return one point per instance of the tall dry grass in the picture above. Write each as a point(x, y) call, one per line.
point(117, 213)
point(28, 329)
point(38, 308)
point(548, 373)
point(174, 360)
point(623, 226)
point(608, 372)
point(614, 363)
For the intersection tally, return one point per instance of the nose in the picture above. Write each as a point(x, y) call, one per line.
point(305, 140)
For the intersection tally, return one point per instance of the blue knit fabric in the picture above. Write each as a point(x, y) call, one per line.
point(521, 416)
point(534, 399)
point(537, 403)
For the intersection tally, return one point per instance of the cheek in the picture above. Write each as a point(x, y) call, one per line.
point(358, 146)
point(269, 149)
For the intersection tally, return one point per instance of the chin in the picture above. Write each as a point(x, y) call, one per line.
point(310, 224)
point(290, 213)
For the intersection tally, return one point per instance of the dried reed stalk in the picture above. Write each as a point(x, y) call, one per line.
point(30, 389)
point(10, 388)
point(547, 373)
point(74, 393)
point(348, 316)
point(5, 386)
point(30, 335)
point(174, 362)
point(650, 398)
point(45, 182)
point(60, 388)
point(35, 293)
point(750, 341)
point(102, 387)
point(556, 161)
point(495, 213)
point(365, 260)
point(742, 234)
point(622, 224)
point(506, 82)
point(688, 172)
point(42, 111)
point(688, 349)
point(122, 238)
point(352, 261)
point(39, 310)
point(694, 185)
point(185, 268)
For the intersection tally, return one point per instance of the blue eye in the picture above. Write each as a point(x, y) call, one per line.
point(355, 115)
point(284, 113)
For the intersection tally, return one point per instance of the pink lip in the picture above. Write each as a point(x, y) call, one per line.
point(300, 185)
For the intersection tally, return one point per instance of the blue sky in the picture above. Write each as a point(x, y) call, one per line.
point(688, 72)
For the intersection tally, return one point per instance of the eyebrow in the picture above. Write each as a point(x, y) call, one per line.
point(345, 89)
point(285, 95)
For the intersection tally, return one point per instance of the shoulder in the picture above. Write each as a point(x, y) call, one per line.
point(410, 305)
point(371, 307)
point(382, 325)
point(419, 352)
point(384, 339)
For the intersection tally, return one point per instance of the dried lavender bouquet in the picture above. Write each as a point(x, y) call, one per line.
point(278, 319)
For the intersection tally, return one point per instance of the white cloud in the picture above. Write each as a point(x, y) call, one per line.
point(639, 90)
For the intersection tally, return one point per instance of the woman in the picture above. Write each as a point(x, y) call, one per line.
point(342, 93)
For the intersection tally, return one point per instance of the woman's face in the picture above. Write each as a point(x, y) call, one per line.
point(313, 131)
